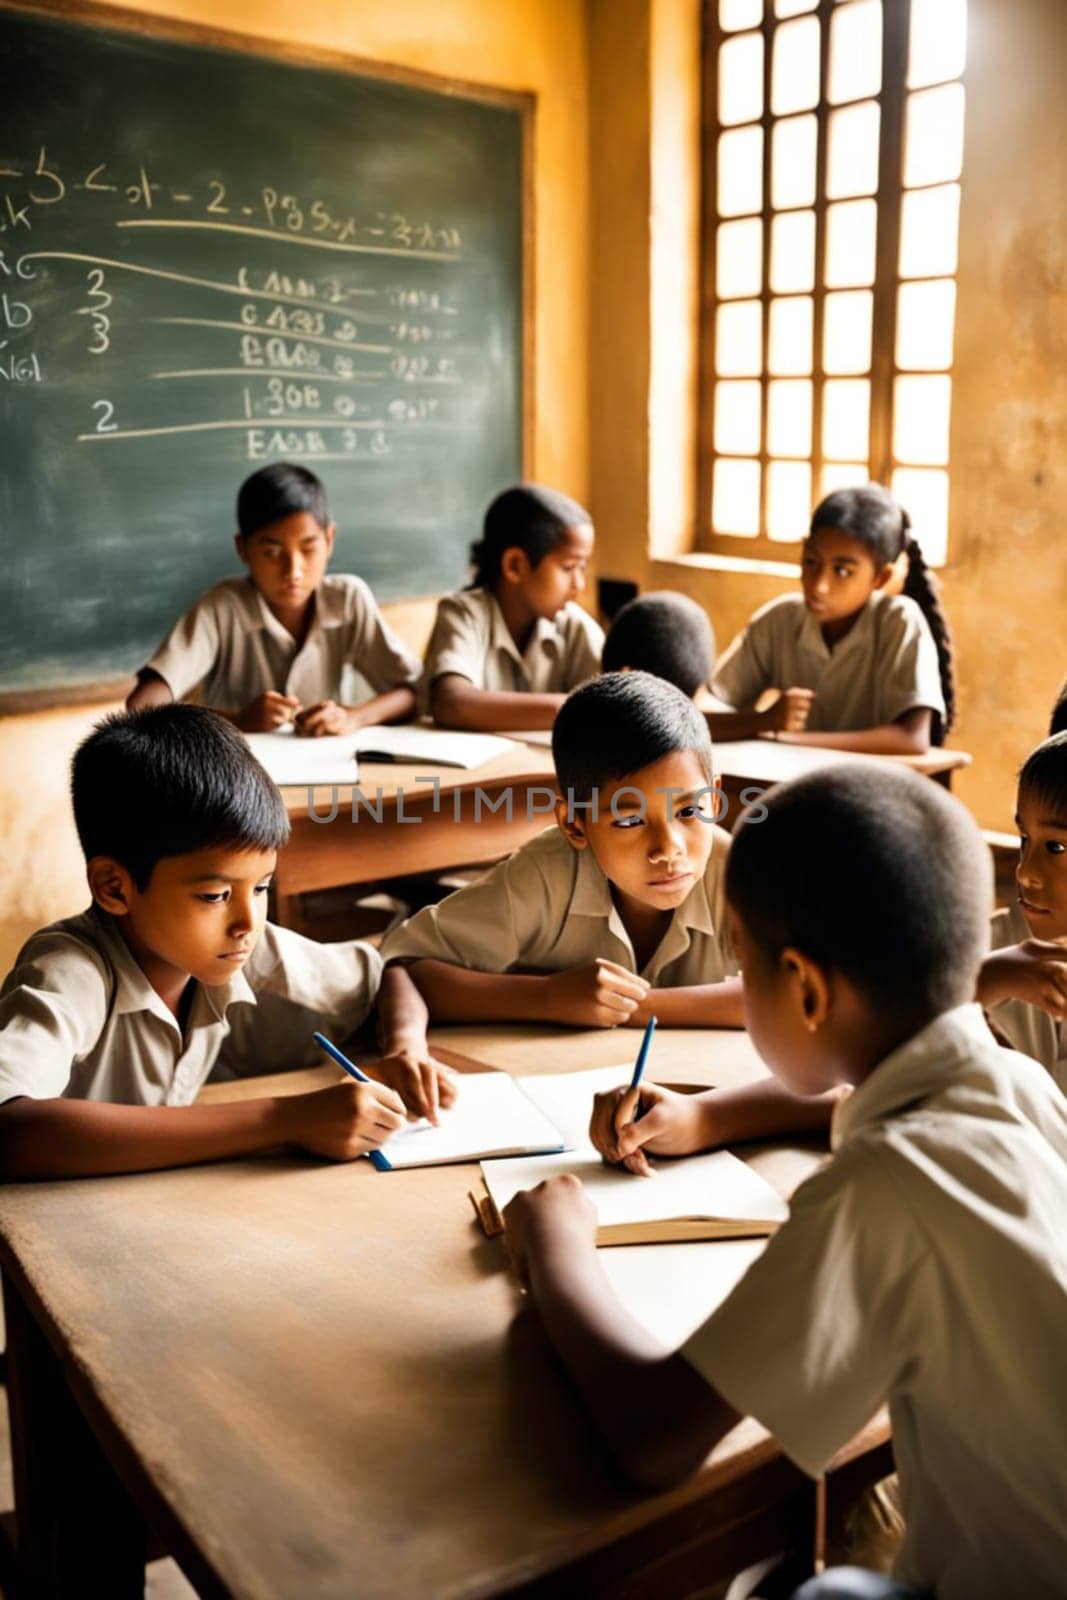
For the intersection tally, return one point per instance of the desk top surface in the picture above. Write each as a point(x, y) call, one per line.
point(318, 1369)
point(742, 760)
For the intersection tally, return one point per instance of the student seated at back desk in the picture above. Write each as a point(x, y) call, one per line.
point(111, 1021)
point(880, 664)
point(1024, 980)
point(925, 1264)
point(505, 651)
point(276, 647)
point(670, 636)
point(617, 912)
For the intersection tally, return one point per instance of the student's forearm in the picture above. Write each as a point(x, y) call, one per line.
point(998, 977)
point(890, 739)
point(727, 725)
point(152, 690)
point(394, 705)
point(486, 710)
point(656, 1413)
point(403, 1016)
point(704, 1005)
point(456, 994)
point(87, 1138)
point(761, 1110)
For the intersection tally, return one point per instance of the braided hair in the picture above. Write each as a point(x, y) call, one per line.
point(874, 519)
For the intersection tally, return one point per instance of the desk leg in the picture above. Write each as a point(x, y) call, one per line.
point(77, 1531)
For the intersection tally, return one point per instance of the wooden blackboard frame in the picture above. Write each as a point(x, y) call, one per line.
point(120, 19)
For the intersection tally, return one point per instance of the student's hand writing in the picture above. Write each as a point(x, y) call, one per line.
point(267, 712)
point(670, 1125)
point(598, 996)
point(1034, 970)
point(422, 1083)
point(557, 1214)
point(790, 712)
point(344, 1121)
point(323, 718)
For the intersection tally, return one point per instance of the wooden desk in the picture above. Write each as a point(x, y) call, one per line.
point(417, 827)
point(424, 819)
point(311, 1382)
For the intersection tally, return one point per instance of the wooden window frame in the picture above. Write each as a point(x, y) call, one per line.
point(891, 99)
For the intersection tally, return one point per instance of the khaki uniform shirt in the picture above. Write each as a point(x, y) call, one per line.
point(79, 1019)
point(549, 908)
point(884, 666)
point(232, 643)
point(927, 1264)
point(1030, 1029)
point(471, 638)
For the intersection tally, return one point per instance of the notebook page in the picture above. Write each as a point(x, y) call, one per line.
point(714, 1185)
point(491, 1116)
point(674, 1288)
point(288, 759)
point(436, 746)
point(566, 1098)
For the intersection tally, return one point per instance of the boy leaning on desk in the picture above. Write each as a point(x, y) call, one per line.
point(111, 1021)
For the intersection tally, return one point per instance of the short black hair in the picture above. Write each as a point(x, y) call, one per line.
point(1044, 773)
point(614, 725)
point(281, 490)
point(879, 875)
point(1058, 720)
point(663, 633)
point(528, 517)
point(167, 781)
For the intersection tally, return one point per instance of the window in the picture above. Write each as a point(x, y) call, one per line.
point(834, 146)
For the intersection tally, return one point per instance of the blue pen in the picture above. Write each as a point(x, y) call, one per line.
point(642, 1057)
point(377, 1159)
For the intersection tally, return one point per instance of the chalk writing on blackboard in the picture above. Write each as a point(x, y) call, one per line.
point(339, 332)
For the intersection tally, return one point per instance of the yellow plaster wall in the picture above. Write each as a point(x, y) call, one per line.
point(537, 45)
point(1005, 586)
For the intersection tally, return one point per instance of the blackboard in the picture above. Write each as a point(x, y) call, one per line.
point(212, 257)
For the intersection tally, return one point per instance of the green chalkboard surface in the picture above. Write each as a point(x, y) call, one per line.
point(210, 259)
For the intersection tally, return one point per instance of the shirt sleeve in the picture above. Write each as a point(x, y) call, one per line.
point(458, 643)
point(907, 671)
point(190, 649)
point(492, 925)
point(813, 1337)
point(53, 1007)
point(746, 666)
point(374, 649)
point(301, 987)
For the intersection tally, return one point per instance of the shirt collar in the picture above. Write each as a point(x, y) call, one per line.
point(544, 632)
point(592, 898)
point(133, 992)
point(915, 1071)
point(258, 616)
point(856, 638)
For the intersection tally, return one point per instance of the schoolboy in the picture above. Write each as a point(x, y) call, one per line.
point(670, 636)
point(617, 911)
point(1023, 982)
point(926, 1264)
point(275, 647)
point(505, 650)
point(111, 1021)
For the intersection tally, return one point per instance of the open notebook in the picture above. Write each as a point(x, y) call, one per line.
point(713, 1196)
point(334, 759)
point(492, 1116)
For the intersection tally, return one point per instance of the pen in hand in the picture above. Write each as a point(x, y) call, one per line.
point(377, 1158)
point(639, 1065)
